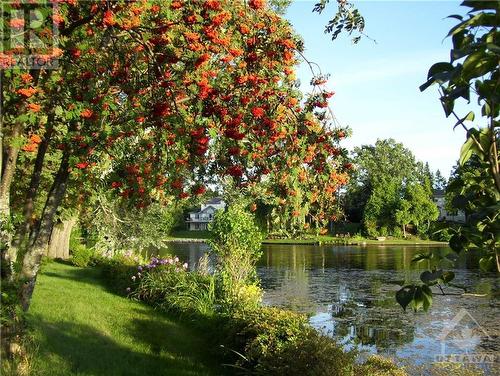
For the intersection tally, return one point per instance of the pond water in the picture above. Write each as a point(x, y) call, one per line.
point(348, 291)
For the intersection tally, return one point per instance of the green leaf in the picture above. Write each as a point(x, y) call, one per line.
point(485, 138)
point(493, 48)
point(480, 19)
point(427, 297)
point(456, 54)
point(481, 4)
point(420, 257)
point(404, 296)
point(457, 243)
point(458, 41)
point(427, 294)
point(418, 299)
point(439, 68)
point(466, 151)
point(459, 91)
point(459, 201)
point(212, 132)
point(425, 85)
point(23, 118)
point(448, 105)
point(35, 24)
point(486, 109)
point(477, 65)
point(469, 117)
point(486, 263)
point(438, 73)
point(429, 277)
point(447, 276)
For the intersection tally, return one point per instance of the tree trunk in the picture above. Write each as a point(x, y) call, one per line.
point(497, 257)
point(29, 204)
point(8, 169)
point(1, 117)
point(37, 248)
point(59, 239)
point(404, 231)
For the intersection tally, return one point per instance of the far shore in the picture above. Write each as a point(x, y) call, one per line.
point(202, 237)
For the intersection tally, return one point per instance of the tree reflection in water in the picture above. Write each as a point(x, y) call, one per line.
point(349, 293)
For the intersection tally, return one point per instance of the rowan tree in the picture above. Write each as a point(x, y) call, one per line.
point(153, 98)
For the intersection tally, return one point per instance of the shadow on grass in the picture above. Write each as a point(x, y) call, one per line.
point(90, 275)
point(160, 343)
point(80, 349)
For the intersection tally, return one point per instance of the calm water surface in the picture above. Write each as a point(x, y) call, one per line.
point(348, 291)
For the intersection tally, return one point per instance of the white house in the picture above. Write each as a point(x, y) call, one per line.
point(200, 219)
point(444, 215)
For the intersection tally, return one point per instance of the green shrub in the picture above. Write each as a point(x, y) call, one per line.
point(81, 256)
point(371, 228)
point(259, 333)
point(269, 341)
point(138, 229)
point(119, 269)
point(248, 296)
point(379, 366)
point(272, 341)
point(397, 233)
point(236, 240)
point(167, 284)
point(451, 368)
point(423, 231)
point(441, 231)
point(313, 354)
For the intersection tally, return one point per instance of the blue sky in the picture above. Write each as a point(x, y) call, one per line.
point(376, 85)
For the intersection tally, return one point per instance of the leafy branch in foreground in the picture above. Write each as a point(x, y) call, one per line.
point(348, 18)
point(473, 69)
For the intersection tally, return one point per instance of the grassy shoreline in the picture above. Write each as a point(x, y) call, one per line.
point(80, 327)
point(202, 236)
point(324, 240)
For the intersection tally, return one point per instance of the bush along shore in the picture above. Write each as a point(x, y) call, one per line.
point(226, 303)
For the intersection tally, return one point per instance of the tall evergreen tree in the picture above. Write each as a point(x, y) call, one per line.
point(439, 181)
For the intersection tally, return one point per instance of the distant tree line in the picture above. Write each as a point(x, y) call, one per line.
point(389, 190)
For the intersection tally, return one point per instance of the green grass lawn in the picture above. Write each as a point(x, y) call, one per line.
point(81, 328)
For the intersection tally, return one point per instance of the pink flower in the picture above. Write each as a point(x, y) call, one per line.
point(185, 265)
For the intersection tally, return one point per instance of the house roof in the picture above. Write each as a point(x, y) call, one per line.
point(202, 211)
point(215, 201)
point(438, 192)
point(209, 206)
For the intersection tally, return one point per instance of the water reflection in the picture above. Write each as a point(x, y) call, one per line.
point(349, 293)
